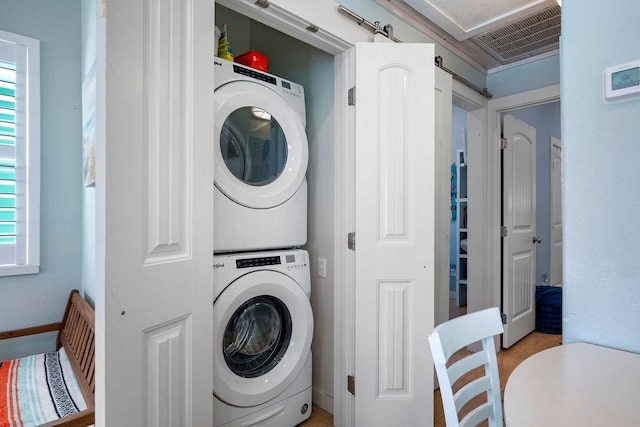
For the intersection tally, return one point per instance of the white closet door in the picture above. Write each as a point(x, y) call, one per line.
point(154, 210)
point(395, 224)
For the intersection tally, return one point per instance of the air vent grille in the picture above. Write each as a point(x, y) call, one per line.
point(531, 36)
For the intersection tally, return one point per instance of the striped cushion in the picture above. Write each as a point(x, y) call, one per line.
point(37, 389)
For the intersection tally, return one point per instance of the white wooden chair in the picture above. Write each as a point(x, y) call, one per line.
point(450, 337)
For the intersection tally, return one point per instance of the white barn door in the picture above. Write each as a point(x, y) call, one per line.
point(154, 195)
point(394, 255)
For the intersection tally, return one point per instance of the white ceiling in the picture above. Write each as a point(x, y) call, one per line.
point(490, 33)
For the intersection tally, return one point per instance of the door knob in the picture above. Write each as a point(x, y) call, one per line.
point(536, 240)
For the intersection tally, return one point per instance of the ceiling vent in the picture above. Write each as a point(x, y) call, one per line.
point(522, 39)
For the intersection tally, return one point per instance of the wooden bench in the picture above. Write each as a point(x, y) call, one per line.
point(76, 333)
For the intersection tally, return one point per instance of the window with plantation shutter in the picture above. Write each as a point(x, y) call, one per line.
point(19, 154)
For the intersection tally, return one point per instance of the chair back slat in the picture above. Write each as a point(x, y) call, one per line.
point(467, 364)
point(479, 414)
point(483, 381)
point(471, 390)
point(463, 331)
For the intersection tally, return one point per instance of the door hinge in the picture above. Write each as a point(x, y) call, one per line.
point(504, 318)
point(351, 384)
point(262, 3)
point(503, 143)
point(351, 96)
point(503, 231)
point(351, 241)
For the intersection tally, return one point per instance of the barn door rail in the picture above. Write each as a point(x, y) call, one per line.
point(387, 31)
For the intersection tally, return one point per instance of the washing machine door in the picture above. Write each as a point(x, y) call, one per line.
point(263, 326)
point(262, 152)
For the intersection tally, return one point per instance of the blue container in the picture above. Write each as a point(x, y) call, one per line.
point(549, 309)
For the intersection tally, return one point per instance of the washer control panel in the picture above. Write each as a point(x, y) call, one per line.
point(257, 262)
point(294, 263)
point(291, 261)
point(296, 266)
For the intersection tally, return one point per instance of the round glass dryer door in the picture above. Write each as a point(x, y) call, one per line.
point(261, 153)
point(253, 146)
point(263, 326)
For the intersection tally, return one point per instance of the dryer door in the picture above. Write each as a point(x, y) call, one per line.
point(263, 326)
point(262, 153)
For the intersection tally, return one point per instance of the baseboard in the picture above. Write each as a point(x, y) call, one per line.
point(452, 294)
point(323, 400)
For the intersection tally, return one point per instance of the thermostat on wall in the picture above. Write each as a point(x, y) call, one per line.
point(622, 82)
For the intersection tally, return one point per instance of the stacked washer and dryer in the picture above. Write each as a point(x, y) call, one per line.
point(263, 323)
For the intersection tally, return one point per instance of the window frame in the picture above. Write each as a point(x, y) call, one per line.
point(27, 156)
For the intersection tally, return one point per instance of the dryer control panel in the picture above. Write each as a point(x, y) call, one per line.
point(293, 93)
point(254, 74)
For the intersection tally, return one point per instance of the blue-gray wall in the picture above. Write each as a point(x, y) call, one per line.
point(528, 76)
point(546, 119)
point(601, 148)
point(40, 298)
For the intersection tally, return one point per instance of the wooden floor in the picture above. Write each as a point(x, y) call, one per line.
point(508, 359)
point(319, 418)
point(454, 310)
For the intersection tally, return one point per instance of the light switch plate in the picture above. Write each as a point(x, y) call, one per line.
point(322, 267)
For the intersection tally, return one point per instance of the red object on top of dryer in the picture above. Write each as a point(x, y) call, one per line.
point(253, 59)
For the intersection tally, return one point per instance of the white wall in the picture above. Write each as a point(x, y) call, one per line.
point(601, 148)
point(40, 298)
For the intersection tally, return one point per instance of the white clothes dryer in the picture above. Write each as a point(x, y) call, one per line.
point(261, 158)
point(263, 326)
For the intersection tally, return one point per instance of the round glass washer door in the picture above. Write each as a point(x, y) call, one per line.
point(261, 151)
point(263, 326)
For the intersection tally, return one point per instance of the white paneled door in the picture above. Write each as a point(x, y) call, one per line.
point(394, 254)
point(154, 210)
point(519, 220)
point(555, 265)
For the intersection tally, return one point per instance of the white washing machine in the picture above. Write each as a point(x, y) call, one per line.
point(261, 158)
point(263, 326)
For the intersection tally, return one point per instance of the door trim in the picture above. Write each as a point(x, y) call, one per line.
point(492, 166)
point(344, 296)
point(476, 107)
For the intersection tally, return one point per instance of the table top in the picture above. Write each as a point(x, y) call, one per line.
point(576, 384)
